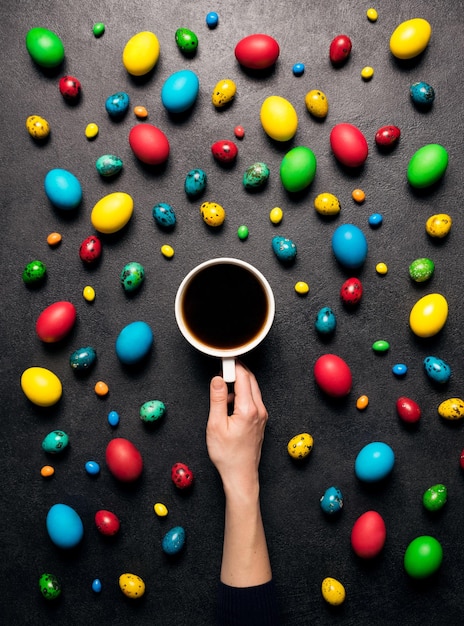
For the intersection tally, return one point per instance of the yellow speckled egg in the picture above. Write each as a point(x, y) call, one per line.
point(428, 315)
point(300, 446)
point(41, 386)
point(112, 212)
point(410, 38)
point(317, 103)
point(223, 93)
point(212, 213)
point(278, 118)
point(131, 585)
point(37, 127)
point(333, 591)
point(141, 53)
point(452, 409)
point(327, 204)
point(438, 225)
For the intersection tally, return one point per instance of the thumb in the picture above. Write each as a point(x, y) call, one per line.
point(218, 397)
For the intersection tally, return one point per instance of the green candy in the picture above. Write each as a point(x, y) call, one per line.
point(152, 411)
point(186, 40)
point(98, 29)
point(423, 557)
point(45, 47)
point(49, 586)
point(380, 346)
point(243, 232)
point(255, 176)
point(435, 497)
point(421, 270)
point(34, 272)
point(427, 165)
point(298, 169)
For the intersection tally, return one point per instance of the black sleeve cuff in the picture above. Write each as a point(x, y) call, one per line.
point(248, 606)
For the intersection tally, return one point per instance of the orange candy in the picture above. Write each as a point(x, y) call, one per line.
point(358, 195)
point(54, 239)
point(47, 471)
point(101, 388)
point(362, 402)
point(140, 112)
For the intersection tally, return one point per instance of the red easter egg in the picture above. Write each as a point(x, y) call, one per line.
point(181, 475)
point(387, 136)
point(70, 87)
point(351, 291)
point(107, 523)
point(348, 145)
point(368, 535)
point(56, 321)
point(90, 249)
point(224, 151)
point(123, 460)
point(149, 144)
point(408, 410)
point(333, 375)
point(461, 459)
point(340, 49)
point(257, 52)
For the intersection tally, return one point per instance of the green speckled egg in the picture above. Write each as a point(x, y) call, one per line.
point(152, 411)
point(435, 497)
point(186, 40)
point(132, 276)
point(421, 270)
point(55, 442)
point(49, 586)
point(34, 272)
point(255, 176)
point(452, 409)
point(108, 165)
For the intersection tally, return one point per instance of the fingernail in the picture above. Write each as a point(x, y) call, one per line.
point(217, 383)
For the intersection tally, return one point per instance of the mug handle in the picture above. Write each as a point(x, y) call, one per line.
point(228, 369)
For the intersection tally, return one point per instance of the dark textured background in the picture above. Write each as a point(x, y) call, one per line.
point(304, 545)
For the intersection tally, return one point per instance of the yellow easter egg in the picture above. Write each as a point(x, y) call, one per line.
point(438, 225)
point(317, 103)
point(452, 409)
point(333, 591)
point(327, 204)
point(300, 446)
point(141, 53)
point(112, 212)
point(131, 585)
point(278, 118)
point(410, 38)
point(428, 315)
point(41, 386)
point(223, 92)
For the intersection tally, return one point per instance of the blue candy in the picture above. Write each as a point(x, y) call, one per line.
point(92, 468)
point(212, 19)
point(117, 104)
point(173, 540)
point(400, 369)
point(298, 69)
point(195, 183)
point(96, 585)
point(326, 322)
point(422, 93)
point(375, 219)
point(349, 245)
point(164, 215)
point(332, 501)
point(437, 370)
point(284, 249)
point(113, 418)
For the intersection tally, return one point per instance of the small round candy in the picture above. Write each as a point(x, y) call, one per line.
point(91, 130)
point(367, 72)
point(167, 251)
point(96, 585)
point(298, 69)
point(34, 272)
point(101, 388)
point(400, 369)
point(140, 112)
point(372, 15)
point(212, 19)
point(89, 293)
point(98, 29)
point(113, 418)
point(302, 288)
point(53, 239)
point(362, 403)
point(375, 220)
point(160, 509)
point(423, 557)
point(461, 459)
point(242, 232)
point(276, 215)
point(239, 132)
point(47, 471)
point(92, 468)
point(381, 268)
point(380, 346)
point(358, 195)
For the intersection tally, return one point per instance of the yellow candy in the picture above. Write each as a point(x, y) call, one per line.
point(167, 251)
point(112, 212)
point(141, 53)
point(88, 293)
point(327, 204)
point(438, 225)
point(410, 38)
point(452, 409)
point(381, 268)
point(300, 446)
point(276, 215)
point(333, 591)
point(302, 288)
point(372, 15)
point(428, 315)
point(367, 72)
point(212, 213)
point(160, 509)
point(278, 118)
point(131, 585)
point(41, 386)
point(91, 130)
point(362, 402)
point(317, 103)
point(37, 127)
point(223, 92)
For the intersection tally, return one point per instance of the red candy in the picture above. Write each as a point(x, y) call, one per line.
point(124, 460)
point(351, 291)
point(368, 535)
point(333, 375)
point(257, 52)
point(461, 460)
point(387, 136)
point(56, 321)
point(348, 144)
point(107, 523)
point(70, 87)
point(90, 249)
point(340, 49)
point(181, 475)
point(408, 410)
point(149, 144)
point(224, 151)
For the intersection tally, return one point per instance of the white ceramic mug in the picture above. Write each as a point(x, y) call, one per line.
point(224, 307)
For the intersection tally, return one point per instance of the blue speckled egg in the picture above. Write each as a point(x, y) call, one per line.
point(374, 462)
point(284, 249)
point(180, 91)
point(134, 342)
point(132, 276)
point(195, 183)
point(437, 370)
point(326, 322)
point(332, 501)
point(422, 93)
point(55, 442)
point(255, 176)
point(64, 526)
point(83, 358)
point(152, 411)
point(164, 215)
point(349, 245)
point(117, 104)
point(108, 165)
point(173, 540)
point(63, 189)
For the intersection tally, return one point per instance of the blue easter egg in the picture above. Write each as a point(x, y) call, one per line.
point(284, 249)
point(422, 93)
point(437, 370)
point(180, 91)
point(64, 526)
point(117, 104)
point(83, 358)
point(195, 183)
point(164, 215)
point(332, 501)
point(349, 245)
point(134, 342)
point(374, 462)
point(63, 189)
point(326, 322)
point(173, 540)
point(55, 442)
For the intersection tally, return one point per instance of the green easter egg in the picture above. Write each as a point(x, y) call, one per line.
point(298, 169)
point(45, 47)
point(427, 165)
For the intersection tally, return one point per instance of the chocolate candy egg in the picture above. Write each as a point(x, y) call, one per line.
point(333, 375)
point(186, 41)
point(41, 386)
point(141, 53)
point(70, 87)
point(423, 557)
point(427, 165)
point(351, 292)
point(333, 591)
point(152, 411)
point(34, 273)
point(90, 249)
point(422, 94)
point(224, 151)
point(64, 526)
point(134, 342)
point(112, 212)
point(37, 127)
point(332, 501)
point(108, 165)
point(278, 118)
point(421, 270)
point(298, 169)
point(213, 214)
point(149, 144)
point(349, 246)
point(49, 586)
point(257, 52)
point(284, 249)
point(325, 322)
point(63, 189)
point(340, 49)
point(117, 104)
point(437, 370)
point(132, 276)
point(300, 446)
point(223, 93)
point(195, 183)
point(408, 410)
point(256, 176)
point(164, 215)
point(428, 315)
point(374, 462)
point(348, 144)
point(410, 38)
point(387, 136)
point(452, 409)
point(317, 103)
point(45, 47)
point(124, 460)
point(56, 321)
point(179, 91)
point(83, 359)
point(368, 535)
point(327, 204)
point(55, 442)
point(181, 475)
point(438, 225)
point(173, 540)
point(435, 497)
point(132, 586)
